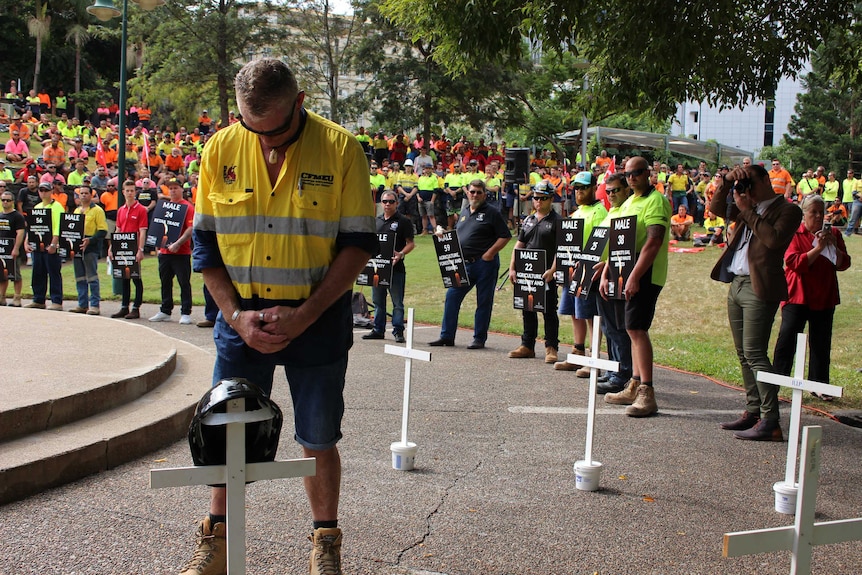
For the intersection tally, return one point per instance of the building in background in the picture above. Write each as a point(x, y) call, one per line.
point(758, 125)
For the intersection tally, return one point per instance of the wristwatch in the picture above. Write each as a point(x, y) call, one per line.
point(235, 315)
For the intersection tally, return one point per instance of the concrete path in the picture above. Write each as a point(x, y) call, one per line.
point(493, 491)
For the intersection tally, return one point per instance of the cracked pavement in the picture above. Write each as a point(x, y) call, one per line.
point(493, 491)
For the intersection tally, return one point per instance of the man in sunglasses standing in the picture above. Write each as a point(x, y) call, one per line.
point(643, 285)
point(482, 233)
point(753, 266)
point(283, 225)
point(392, 222)
point(582, 310)
point(539, 232)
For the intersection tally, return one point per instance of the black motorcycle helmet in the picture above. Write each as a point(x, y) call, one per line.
point(263, 419)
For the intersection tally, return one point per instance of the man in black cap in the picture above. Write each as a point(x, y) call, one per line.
point(539, 232)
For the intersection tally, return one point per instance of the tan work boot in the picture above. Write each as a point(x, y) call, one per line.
point(210, 557)
point(326, 554)
point(522, 352)
point(626, 396)
point(644, 404)
point(16, 301)
point(584, 372)
point(565, 365)
point(550, 355)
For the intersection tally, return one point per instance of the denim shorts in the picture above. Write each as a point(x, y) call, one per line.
point(579, 307)
point(317, 393)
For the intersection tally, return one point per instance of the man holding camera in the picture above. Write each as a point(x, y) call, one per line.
point(753, 266)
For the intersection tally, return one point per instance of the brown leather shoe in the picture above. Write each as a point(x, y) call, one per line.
point(550, 355)
point(746, 421)
point(522, 352)
point(134, 314)
point(765, 430)
point(124, 311)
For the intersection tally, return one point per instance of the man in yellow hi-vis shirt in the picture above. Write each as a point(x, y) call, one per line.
point(283, 225)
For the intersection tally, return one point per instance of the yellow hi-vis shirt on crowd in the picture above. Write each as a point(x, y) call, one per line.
point(277, 242)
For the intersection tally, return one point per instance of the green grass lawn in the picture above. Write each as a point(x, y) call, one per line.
point(690, 330)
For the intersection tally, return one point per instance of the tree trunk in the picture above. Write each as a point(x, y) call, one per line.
point(38, 67)
point(77, 73)
point(222, 80)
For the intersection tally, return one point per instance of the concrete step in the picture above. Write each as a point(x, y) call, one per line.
point(64, 453)
point(80, 395)
point(74, 366)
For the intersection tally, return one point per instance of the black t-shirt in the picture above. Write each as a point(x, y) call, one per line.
point(541, 235)
point(147, 196)
point(478, 231)
point(10, 223)
point(28, 198)
point(403, 228)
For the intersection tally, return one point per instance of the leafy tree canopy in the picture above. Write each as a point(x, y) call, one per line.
point(824, 129)
point(644, 56)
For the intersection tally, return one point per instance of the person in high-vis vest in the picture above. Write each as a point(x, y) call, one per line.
point(284, 223)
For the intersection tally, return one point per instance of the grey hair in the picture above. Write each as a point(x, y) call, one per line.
point(389, 193)
point(263, 82)
point(812, 199)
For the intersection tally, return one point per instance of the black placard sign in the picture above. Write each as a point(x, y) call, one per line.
point(7, 262)
point(621, 254)
point(570, 240)
point(71, 235)
point(167, 226)
point(378, 270)
point(39, 229)
point(124, 249)
point(582, 278)
point(451, 260)
point(529, 292)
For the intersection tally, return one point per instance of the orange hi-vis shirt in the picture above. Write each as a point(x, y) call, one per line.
point(782, 181)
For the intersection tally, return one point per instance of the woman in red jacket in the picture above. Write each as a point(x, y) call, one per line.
point(812, 261)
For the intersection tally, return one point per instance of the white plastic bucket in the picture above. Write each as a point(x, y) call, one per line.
point(403, 455)
point(587, 475)
point(785, 497)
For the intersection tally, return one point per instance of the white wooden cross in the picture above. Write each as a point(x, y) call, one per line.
point(804, 534)
point(595, 363)
point(798, 384)
point(409, 354)
point(233, 474)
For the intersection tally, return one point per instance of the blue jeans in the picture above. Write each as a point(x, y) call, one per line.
point(679, 200)
point(378, 297)
point(483, 275)
point(47, 267)
point(855, 214)
point(619, 343)
point(87, 279)
point(210, 307)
